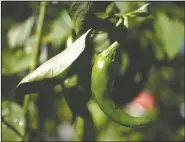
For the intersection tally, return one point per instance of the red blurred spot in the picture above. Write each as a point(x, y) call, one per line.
point(146, 99)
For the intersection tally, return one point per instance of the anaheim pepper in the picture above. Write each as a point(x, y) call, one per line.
point(102, 81)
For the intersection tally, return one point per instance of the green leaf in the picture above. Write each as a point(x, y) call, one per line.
point(123, 6)
point(8, 134)
point(18, 34)
point(170, 33)
point(102, 15)
point(141, 12)
point(78, 12)
point(58, 64)
point(15, 62)
point(110, 8)
point(60, 29)
point(119, 22)
point(13, 124)
point(101, 41)
point(125, 21)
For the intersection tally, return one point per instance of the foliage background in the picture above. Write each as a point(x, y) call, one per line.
point(51, 116)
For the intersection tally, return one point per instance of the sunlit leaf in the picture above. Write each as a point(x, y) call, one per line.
point(126, 21)
point(123, 6)
point(110, 8)
point(102, 15)
point(18, 34)
point(13, 126)
point(170, 33)
point(141, 12)
point(8, 134)
point(59, 63)
point(119, 22)
point(60, 29)
point(15, 62)
point(101, 41)
point(78, 12)
point(29, 45)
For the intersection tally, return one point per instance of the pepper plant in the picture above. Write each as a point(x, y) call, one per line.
point(98, 65)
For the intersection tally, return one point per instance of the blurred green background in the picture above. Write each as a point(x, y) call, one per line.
point(151, 58)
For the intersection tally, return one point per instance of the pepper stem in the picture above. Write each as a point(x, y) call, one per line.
point(110, 52)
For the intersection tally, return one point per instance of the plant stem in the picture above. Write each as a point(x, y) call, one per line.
point(39, 26)
point(25, 103)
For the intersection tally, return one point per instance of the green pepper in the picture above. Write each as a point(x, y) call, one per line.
point(102, 81)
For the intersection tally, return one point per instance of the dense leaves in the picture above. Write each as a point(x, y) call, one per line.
point(20, 58)
point(78, 12)
point(60, 29)
point(167, 29)
point(18, 34)
point(148, 58)
point(13, 122)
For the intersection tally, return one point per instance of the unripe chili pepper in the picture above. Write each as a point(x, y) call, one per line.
point(102, 81)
